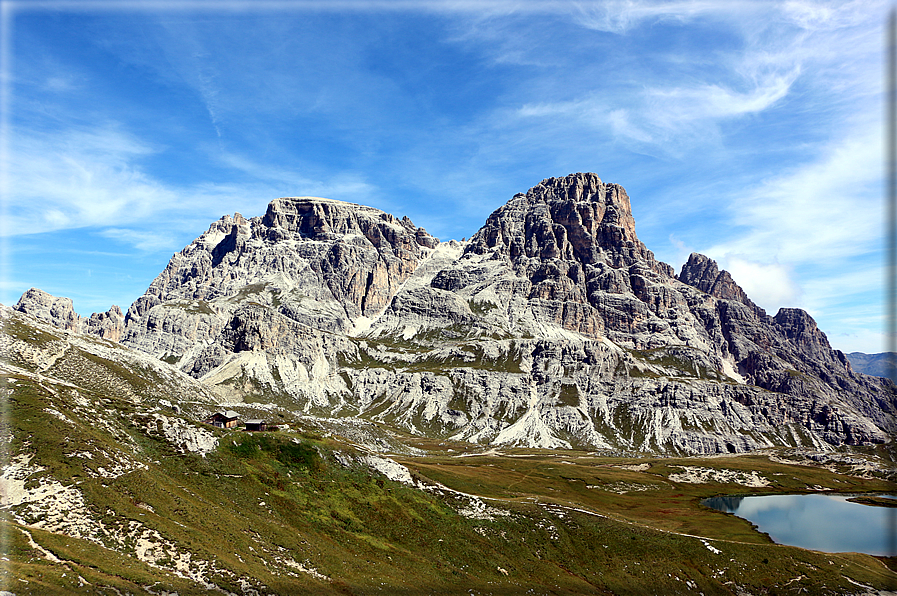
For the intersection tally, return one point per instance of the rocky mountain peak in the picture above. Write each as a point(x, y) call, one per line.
point(703, 273)
point(798, 326)
point(699, 271)
point(45, 307)
point(326, 219)
point(576, 218)
point(60, 312)
point(587, 188)
point(571, 243)
point(315, 261)
point(554, 327)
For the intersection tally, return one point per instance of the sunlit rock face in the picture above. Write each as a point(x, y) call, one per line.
point(60, 312)
point(703, 273)
point(553, 326)
point(570, 245)
point(347, 258)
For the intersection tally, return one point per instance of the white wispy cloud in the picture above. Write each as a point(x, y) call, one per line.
point(147, 241)
point(61, 84)
point(829, 208)
point(811, 237)
point(826, 15)
point(682, 106)
point(768, 284)
point(769, 44)
point(668, 120)
point(80, 177)
point(623, 15)
point(840, 288)
point(346, 186)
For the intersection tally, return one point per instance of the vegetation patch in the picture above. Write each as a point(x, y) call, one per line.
point(294, 453)
point(196, 307)
point(874, 501)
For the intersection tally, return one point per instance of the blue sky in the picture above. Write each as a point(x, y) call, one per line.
point(748, 131)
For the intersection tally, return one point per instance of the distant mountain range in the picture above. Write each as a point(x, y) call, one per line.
point(554, 326)
point(878, 365)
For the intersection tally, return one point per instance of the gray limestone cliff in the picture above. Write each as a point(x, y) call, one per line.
point(291, 282)
point(568, 256)
point(703, 273)
point(347, 258)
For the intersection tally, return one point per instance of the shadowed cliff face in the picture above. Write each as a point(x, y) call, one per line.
point(779, 353)
point(703, 273)
point(554, 326)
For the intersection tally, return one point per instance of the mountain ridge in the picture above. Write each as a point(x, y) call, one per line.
point(883, 364)
point(553, 326)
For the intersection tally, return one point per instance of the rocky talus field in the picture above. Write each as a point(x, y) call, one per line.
point(538, 409)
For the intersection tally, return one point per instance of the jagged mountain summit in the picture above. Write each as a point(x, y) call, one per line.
point(60, 312)
point(553, 326)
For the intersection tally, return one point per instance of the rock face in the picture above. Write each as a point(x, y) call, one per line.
point(108, 325)
point(568, 253)
point(65, 364)
point(571, 245)
point(320, 262)
point(276, 287)
point(703, 273)
point(59, 312)
point(49, 309)
point(554, 326)
point(347, 258)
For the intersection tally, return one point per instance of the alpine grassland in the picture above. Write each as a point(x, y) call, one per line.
point(302, 511)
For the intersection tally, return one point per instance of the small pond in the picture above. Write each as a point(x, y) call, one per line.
point(828, 523)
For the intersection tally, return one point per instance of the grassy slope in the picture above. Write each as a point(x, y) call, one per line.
point(261, 498)
point(648, 497)
point(278, 513)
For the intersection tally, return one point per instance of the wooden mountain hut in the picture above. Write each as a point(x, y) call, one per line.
point(227, 419)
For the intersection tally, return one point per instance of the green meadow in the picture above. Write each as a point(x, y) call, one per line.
point(299, 512)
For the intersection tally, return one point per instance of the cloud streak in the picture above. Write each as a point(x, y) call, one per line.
point(668, 119)
point(622, 16)
point(827, 209)
point(79, 178)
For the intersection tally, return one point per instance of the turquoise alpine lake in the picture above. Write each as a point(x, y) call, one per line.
point(828, 523)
